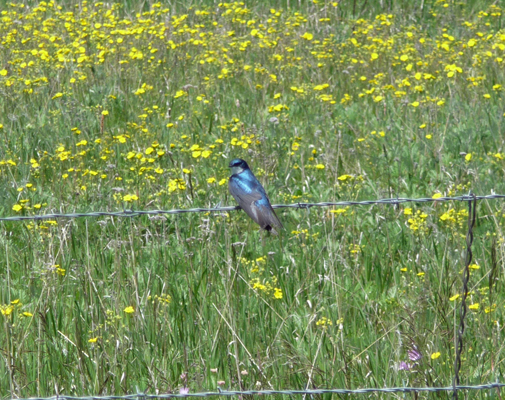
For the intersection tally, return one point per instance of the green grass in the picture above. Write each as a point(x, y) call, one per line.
point(341, 296)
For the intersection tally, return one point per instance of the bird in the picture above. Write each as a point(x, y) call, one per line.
point(251, 196)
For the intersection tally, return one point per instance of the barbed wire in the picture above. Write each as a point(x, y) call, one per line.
point(135, 213)
point(228, 393)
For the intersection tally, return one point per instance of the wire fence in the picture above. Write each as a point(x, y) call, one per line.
point(229, 393)
point(455, 388)
point(135, 213)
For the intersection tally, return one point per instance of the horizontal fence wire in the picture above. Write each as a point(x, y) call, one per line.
point(228, 393)
point(135, 213)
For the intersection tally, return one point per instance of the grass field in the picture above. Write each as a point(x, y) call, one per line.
point(142, 106)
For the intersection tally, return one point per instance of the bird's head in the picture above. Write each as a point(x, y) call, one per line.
point(237, 166)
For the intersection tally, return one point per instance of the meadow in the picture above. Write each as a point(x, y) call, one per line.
point(141, 105)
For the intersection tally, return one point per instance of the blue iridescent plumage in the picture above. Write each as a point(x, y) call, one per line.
point(251, 196)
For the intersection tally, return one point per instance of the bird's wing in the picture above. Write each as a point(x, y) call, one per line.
point(245, 197)
point(265, 214)
point(255, 203)
point(276, 221)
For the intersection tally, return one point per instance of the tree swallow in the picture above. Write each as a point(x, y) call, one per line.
point(251, 197)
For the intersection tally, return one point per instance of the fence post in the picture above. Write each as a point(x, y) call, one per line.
point(472, 204)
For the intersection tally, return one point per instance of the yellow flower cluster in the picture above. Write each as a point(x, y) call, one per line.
point(7, 310)
point(324, 322)
point(417, 221)
point(268, 285)
point(455, 218)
